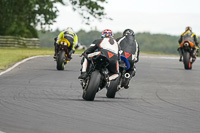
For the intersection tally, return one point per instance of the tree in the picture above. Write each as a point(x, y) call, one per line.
point(20, 17)
point(89, 8)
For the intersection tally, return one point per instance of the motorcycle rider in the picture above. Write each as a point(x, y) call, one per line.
point(192, 37)
point(71, 36)
point(129, 49)
point(106, 43)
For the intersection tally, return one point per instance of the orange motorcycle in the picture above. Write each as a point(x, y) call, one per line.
point(187, 48)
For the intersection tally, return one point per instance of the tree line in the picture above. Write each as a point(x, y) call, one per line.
point(148, 42)
point(21, 17)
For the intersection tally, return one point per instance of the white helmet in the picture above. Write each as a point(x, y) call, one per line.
point(70, 29)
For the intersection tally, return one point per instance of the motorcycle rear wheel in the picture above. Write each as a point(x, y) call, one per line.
point(61, 60)
point(92, 87)
point(186, 61)
point(113, 87)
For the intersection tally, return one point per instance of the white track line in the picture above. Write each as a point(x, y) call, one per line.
point(18, 63)
point(143, 56)
point(2, 132)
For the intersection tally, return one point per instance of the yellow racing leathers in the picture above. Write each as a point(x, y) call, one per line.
point(191, 37)
point(70, 38)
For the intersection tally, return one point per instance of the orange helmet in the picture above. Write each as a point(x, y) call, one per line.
point(188, 28)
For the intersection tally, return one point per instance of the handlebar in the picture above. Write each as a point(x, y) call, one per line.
point(85, 55)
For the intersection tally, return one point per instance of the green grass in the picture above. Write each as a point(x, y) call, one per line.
point(9, 56)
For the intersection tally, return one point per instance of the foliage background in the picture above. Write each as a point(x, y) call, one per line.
point(21, 17)
point(160, 43)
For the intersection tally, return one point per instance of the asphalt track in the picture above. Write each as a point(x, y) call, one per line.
point(162, 98)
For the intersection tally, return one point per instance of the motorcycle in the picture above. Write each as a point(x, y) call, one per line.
point(187, 49)
point(122, 80)
point(98, 77)
point(62, 54)
point(124, 76)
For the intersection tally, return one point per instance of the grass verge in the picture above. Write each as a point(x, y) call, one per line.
point(9, 56)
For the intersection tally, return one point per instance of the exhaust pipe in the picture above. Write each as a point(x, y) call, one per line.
point(127, 75)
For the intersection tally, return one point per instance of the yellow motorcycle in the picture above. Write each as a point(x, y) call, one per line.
point(62, 54)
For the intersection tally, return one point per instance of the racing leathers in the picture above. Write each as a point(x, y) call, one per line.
point(72, 39)
point(190, 36)
point(110, 48)
point(130, 49)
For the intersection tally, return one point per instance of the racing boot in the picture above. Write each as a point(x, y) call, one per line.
point(54, 56)
point(194, 53)
point(126, 86)
point(197, 50)
point(55, 49)
point(181, 58)
point(83, 75)
point(180, 53)
point(70, 54)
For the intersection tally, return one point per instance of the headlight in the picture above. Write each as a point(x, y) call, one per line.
point(64, 43)
point(186, 44)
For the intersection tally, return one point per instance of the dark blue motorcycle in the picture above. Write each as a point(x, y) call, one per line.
point(122, 80)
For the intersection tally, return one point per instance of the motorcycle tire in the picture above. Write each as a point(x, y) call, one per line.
point(113, 87)
point(186, 61)
point(93, 86)
point(61, 60)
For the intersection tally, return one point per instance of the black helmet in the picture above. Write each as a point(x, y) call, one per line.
point(128, 32)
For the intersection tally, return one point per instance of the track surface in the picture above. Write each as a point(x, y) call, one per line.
point(162, 98)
